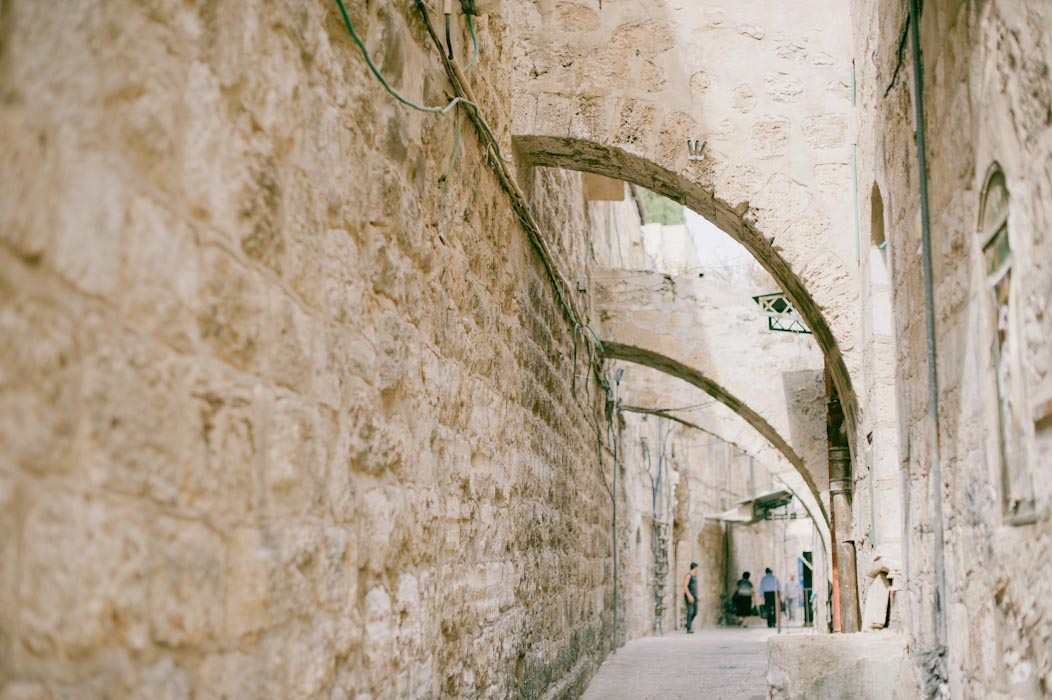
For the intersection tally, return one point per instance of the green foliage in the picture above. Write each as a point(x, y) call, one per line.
point(661, 210)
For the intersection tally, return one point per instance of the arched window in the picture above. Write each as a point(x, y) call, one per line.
point(1016, 481)
point(876, 221)
point(879, 291)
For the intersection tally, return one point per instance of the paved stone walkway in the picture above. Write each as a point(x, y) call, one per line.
point(718, 664)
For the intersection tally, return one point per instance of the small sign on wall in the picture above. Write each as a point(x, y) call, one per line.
point(598, 188)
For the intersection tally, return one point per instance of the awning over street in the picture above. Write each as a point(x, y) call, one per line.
point(759, 507)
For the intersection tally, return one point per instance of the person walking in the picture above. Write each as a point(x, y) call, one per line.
point(792, 594)
point(769, 589)
point(690, 595)
point(743, 596)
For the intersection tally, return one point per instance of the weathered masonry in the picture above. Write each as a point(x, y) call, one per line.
point(340, 356)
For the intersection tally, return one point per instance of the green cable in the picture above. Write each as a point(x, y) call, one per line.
point(474, 45)
point(408, 103)
point(597, 341)
point(380, 77)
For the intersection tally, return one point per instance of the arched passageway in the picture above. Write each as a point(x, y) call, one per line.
point(670, 366)
point(707, 333)
point(612, 162)
point(622, 92)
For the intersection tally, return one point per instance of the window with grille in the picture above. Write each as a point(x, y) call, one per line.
point(1016, 481)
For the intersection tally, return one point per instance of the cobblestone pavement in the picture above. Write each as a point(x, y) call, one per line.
point(717, 664)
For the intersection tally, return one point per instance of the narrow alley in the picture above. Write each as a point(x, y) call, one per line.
point(481, 349)
point(720, 663)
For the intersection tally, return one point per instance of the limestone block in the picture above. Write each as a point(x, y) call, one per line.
point(140, 433)
point(251, 564)
point(677, 128)
point(875, 608)
point(826, 131)
point(232, 311)
point(739, 183)
point(861, 666)
point(743, 98)
point(256, 671)
point(646, 38)
point(9, 564)
point(573, 17)
point(83, 583)
point(724, 131)
point(25, 690)
point(39, 370)
point(833, 178)
point(310, 659)
point(27, 224)
point(700, 83)
point(158, 274)
point(164, 680)
point(187, 573)
point(792, 52)
point(782, 87)
point(751, 30)
point(208, 146)
point(221, 484)
point(636, 122)
point(769, 136)
point(95, 199)
point(375, 445)
point(295, 458)
point(336, 578)
point(379, 633)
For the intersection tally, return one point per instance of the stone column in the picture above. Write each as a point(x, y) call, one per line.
point(846, 617)
point(843, 545)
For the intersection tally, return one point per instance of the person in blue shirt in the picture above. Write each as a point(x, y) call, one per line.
point(769, 589)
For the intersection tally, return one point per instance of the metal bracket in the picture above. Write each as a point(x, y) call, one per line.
point(696, 149)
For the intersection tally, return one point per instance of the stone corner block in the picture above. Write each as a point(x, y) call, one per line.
point(863, 666)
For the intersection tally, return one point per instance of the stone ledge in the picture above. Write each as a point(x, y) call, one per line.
point(864, 666)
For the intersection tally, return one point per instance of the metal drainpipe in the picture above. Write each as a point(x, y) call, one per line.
point(613, 536)
point(935, 476)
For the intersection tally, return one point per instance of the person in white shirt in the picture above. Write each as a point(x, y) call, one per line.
point(793, 591)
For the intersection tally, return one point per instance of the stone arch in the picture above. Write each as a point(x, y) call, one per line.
point(622, 92)
point(813, 507)
point(626, 353)
point(573, 154)
point(716, 338)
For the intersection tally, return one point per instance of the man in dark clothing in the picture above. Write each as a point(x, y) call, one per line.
point(743, 596)
point(770, 589)
point(690, 595)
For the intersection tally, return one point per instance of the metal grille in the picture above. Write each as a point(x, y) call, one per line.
point(781, 314)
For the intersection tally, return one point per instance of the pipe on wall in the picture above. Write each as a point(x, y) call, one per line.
point(935, 474)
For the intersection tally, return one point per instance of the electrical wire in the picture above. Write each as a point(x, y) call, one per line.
point(409, 103)
point(379, 76)
point(449, 41)
point(474, 45)
point(456, 76)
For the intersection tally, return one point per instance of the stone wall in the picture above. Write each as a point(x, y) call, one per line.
point(987, 100)
point(281, 415)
